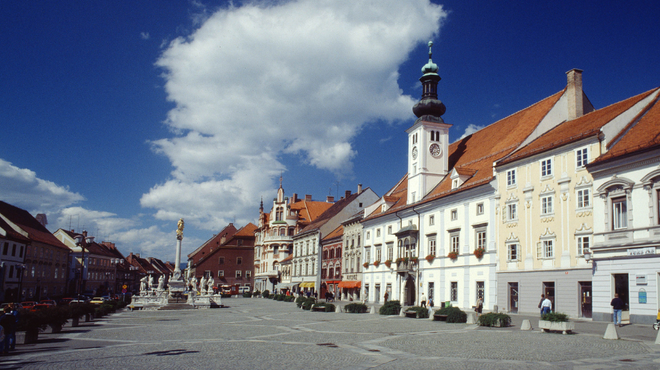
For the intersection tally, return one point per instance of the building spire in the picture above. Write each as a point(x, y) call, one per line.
point(429, 106)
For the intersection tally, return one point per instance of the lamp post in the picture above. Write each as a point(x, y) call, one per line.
point(80, 242)
point(20, 269)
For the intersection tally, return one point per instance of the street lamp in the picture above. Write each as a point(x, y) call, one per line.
point(20, 269)
point(80, 242)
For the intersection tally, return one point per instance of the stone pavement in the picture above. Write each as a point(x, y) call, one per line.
point(259, 333)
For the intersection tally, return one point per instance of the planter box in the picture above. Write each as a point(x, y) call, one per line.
point(27, 337)
point(75, 321)
point(564, 327)
point(53, 329)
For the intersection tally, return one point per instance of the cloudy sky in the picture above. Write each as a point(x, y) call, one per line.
point(120, 117)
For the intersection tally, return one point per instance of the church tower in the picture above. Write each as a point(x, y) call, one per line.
point(428, 137)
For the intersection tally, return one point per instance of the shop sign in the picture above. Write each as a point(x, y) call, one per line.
point(642, 296)
point(641, 251)
point(640, 279)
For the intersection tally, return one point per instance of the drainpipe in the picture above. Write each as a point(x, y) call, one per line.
point(418, 250)
point(398, 277)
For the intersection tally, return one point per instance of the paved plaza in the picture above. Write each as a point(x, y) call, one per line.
point(266, 334)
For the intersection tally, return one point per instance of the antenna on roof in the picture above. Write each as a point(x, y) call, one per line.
point(69, 222)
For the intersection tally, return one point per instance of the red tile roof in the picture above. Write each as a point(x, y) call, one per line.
point(36, 231)
point(641, 135)
point(477, 152)
point(310, 210)
point(571, 131)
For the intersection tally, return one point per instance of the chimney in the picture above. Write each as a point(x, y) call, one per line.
point(43, 220)
point(308, 197)
point(348, 194)
point(294, 198)
point(84, 233)
point(359, 188)
point(574, 93)
point(137, 255)
point(330, 199)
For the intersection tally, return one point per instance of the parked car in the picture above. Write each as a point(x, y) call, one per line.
point(17, 305)
point(65, 301)
point(97, 300)
point(39, 306)
point(28, 304)
point(49, 302)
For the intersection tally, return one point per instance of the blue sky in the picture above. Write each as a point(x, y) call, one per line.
point(123, 116)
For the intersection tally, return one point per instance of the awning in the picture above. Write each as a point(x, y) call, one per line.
point(285, 285)
point(332, 281)
point(307, 284)
point(350, 284)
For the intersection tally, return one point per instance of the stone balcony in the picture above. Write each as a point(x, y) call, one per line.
point(406, 266)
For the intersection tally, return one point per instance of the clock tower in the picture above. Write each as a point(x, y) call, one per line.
point(428, 137)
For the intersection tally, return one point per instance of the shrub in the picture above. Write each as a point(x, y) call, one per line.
point(227, 295)
point(289, 298)
point(247, 294)
point(492, 319)
point(422, 312)
point(307, 303)
point(300, 300)
point(390, 308)
point(329, 307)
point(454, 314)
point(256, 293)
point(265, 294)
point(355, 308)
point(555, 317)
point(29, 320)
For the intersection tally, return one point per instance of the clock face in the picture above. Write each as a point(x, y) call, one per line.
point(414, 153)
point(435, 150)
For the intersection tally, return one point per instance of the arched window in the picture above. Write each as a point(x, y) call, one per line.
point(325, 254)
point(332, 253)
point(330, 272)
point(339, 252)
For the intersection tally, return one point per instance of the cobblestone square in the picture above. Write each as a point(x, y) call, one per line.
point(266, 334)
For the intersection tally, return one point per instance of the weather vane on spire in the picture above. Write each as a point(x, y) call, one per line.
point(430, 52)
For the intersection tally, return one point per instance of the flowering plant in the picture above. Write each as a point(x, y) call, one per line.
point(399, 260)
point(414, 259)
point(388, 263)
point(430, 258)
point(376, 263)
point(479, 252)
point(366, 264)
point(453, 255)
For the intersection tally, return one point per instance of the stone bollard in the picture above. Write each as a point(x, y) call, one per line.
point(338, 309)
point(611, 332)
point(401, 312)
point(657, 339)
point(526, 325)
point(372, 310)
point(471, 318)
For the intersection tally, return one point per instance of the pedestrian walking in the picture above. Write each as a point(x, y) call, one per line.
point(617, 305)
point(8, 323)
point(386, 296)
point(546, 306)
point(541, 303)
point(480, 306)
point(423, 300)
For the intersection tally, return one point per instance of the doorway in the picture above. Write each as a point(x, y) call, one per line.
point(410, 291)
point(621, 288)
point(549, 291)
point(585, 299)
point(513, 297)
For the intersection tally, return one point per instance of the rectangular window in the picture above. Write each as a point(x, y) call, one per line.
point(480, 289)
point(619, 213)
point(367, 255)
point(512, 252)
point(390, 251)
point(248, 274)
point(238, 273)
point(378, 253)
point(454, 214)
point(368, 235)
point(221, 261)
point(511, 177)
point(583, 198)
point(377, 233)
point(454, 242)
point(221, 273)
point(480, 209)
point(546, 205)
point(546, 167)
point(581, 157)
point(454, 291)
point(481, 239)
point(5, 249)
point(389, 230)
point(583, 243)
point(432, 246)
point(239, 260)
point(431, 220)
point(13, 250)
point(511, 212)
point(546, 249)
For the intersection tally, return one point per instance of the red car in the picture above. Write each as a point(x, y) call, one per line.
point(49, 302)
point(28, 304)
point(39, 307)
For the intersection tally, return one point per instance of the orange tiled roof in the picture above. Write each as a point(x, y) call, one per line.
point(310, 210)
point(577, 129)
point(247, 230)
point(640, 136)
point(477, 152)
point(335, 233)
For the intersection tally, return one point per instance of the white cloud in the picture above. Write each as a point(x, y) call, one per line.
point(471, 129)
point(258, 81)
point(144, 35)
point(21, 187)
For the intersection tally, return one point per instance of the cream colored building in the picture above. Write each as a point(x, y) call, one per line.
point(546, 209)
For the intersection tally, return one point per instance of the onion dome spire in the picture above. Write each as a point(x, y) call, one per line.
point(429, 106)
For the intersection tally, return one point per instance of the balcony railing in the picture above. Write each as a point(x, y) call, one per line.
point(403, 266)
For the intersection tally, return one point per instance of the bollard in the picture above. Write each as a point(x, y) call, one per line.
point(401, 312)
point(611, 332)
point(471, 318)
point(657, 339)
point(526, 325)
point(373, 310)
point(338, 309)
